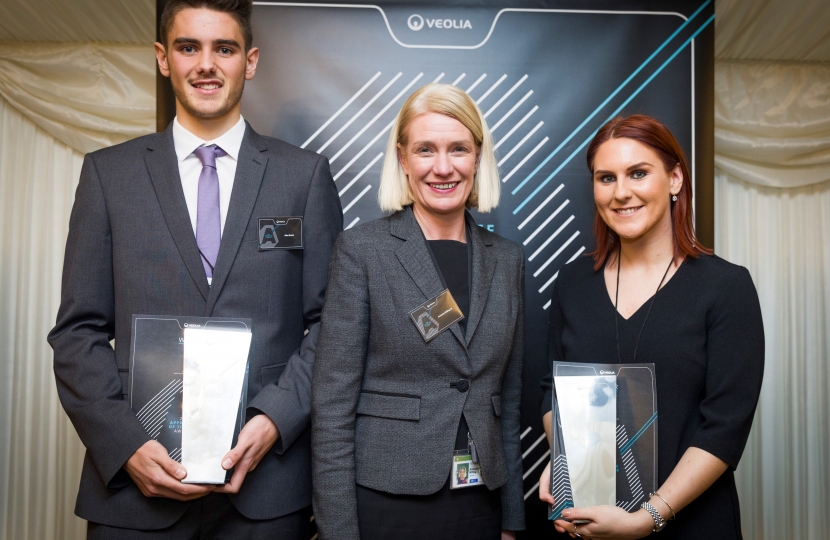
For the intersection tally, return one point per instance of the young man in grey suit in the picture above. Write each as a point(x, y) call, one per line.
point(167, 224)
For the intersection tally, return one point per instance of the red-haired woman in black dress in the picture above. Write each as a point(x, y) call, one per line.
point(653, 293)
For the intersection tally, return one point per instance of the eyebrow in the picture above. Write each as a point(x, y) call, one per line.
point(182, 40)
point(629, 169)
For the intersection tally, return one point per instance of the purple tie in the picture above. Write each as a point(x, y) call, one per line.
point(208, 222)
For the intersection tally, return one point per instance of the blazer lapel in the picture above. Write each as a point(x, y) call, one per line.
point(163, 167)
point(416, 259)
point(484, 265)
point(250, 169)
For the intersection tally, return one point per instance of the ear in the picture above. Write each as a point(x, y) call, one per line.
point(676, 179)
point(252, 59)
point(402, 160)
point(161, 58)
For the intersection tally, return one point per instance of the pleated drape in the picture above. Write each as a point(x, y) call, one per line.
point(40, 453)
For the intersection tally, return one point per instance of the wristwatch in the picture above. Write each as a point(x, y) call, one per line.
point(659, 524)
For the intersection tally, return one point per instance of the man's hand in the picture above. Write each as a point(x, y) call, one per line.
point(156, 475)
point(255, 439)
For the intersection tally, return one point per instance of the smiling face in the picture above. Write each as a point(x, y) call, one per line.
point(632, 189)
point(207, 64)
point(439, 160)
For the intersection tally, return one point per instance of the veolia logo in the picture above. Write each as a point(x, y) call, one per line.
point(416, 22)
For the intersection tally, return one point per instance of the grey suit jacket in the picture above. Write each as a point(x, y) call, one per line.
point(131, 249)
point(384, 413)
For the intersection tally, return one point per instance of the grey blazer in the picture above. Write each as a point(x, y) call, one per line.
point(385, 404)
point(131, 249)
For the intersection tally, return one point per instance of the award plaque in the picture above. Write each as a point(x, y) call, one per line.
point(604, 437)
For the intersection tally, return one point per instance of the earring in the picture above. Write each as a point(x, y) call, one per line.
point(674, 198)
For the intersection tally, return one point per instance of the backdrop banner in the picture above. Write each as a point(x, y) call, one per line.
point(546, 75)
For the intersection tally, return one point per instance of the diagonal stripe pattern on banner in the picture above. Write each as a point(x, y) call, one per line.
point(620, 108)
point(341, 109)
point(613, 94)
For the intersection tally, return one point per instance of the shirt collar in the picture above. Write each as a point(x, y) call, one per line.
point(186, 142)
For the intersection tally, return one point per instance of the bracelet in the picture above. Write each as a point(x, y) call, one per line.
point(659, 524)
point(673, 515)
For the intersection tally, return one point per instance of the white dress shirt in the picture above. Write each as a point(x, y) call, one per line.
point(190, 167)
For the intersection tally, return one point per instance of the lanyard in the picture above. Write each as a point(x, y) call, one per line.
point(650, 304)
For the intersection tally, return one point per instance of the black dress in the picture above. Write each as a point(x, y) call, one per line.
point(472, 513)
point(706, 339)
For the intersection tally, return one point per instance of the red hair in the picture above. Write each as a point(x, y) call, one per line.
point(656, 136)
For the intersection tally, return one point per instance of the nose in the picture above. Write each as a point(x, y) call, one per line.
point(206, 61)
point(622, 191)
point(442, 166)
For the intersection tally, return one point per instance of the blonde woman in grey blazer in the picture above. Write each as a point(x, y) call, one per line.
point(400, 396)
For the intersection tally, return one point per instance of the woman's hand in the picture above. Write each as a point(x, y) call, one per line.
point(508, 535)
point(544, 486)
point(606, 522)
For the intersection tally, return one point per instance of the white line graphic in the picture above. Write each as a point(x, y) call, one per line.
point(341, 109)
point(521, 143)
point(566, 244)
point(549, 240)
point(546, 285)
point(361, 173)
point(527, 157)
point(546, 306)
point(534, 445)
point(577, 254)
point(517, 126)
point(541, 459)
point(362, 193)
point(353, 223)
point(458, 80)
point(487, 93)
point(545, 223)
point(441, 76)
point(366, 106)
point(525, 432)
point(505, 96)
point(511, 111)
point(373, 120)
point(376, 137)
point(470, 89)
point(546, 201)
point(532, 490)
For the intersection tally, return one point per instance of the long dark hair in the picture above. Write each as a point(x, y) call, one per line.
point(656, 136)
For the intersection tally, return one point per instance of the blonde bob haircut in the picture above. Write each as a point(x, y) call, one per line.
point(395, 193)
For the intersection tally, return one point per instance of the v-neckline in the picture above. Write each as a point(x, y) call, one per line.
point(648, 300)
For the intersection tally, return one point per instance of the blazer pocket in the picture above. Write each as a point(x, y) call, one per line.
point(270, 374)
point(389, 405)
point(496, 399)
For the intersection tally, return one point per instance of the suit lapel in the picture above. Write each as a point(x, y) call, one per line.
point(250, 169)
point(416, 260)
point(163, 167)
point(484, 266)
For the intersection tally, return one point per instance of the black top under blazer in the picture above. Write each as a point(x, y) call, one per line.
point(384, 413)
point(131, 250)
point(705, 336)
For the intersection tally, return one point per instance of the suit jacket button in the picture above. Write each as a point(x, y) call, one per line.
point(463, 385)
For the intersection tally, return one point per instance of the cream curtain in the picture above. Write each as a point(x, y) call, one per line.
point(772, 212)
point(87, 96)
point(56, 102)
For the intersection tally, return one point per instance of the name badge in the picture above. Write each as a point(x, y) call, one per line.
point(280, 233)
point(465, 473)
point(436, 315)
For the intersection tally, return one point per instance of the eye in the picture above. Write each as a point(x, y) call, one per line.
point(188, 49)
point(225, 51)
point(607, 178)
point(639, 175)
point(423, 150)
point(461, 149)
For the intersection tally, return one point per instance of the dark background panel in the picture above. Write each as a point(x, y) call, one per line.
point(545, 74)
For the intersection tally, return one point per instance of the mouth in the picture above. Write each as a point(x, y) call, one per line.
point(447, 186)
point(207, 87)
point(626, 211)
